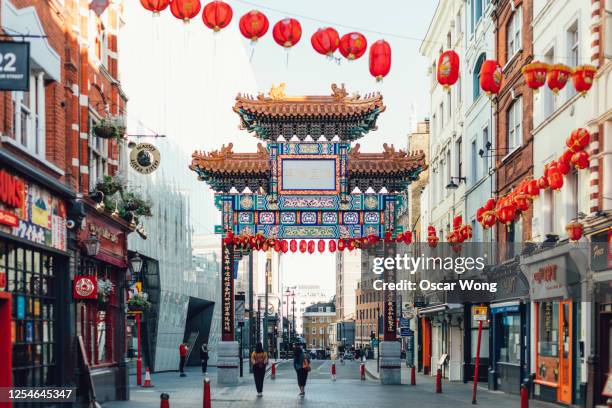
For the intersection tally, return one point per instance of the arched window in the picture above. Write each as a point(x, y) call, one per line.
point(476, 76)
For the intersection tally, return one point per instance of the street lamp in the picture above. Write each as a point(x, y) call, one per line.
point(452, 185)
point(92, 245)
point(136, 262)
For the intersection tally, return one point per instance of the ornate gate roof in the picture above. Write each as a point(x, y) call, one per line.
point(338, 114)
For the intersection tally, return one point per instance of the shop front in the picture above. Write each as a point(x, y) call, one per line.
point(557, 361)
point(99, 292)
point(34, 262)
point(508, 367)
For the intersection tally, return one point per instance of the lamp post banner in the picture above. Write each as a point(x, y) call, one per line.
point(227, 292)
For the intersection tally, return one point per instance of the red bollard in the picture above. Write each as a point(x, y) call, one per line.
point(165, 401)
point(524, 396)
point(412, 376)
point(207, 393)
point(439, 382)
point(362, 371)
point(333, 371)
point(273, 373)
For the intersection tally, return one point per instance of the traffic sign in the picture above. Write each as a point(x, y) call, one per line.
point(480, 313)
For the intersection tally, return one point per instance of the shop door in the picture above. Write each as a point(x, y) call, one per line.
point(564, 392)
point(6, 368)
point(605, 341)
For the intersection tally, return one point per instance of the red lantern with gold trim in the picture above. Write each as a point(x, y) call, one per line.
point(566, 157)
point(555, 178)
point(351, 244)
point(156, 6)
point(332, 246)
point(532, 188)
point(448, 69)
point(321, 246)
point(466, 232)
point(432, 238)
point(185, 9)
point(491, 77)
point(574, 230)
point(407, 237)
point(325, 41)
point(583, 77)
point(284, 246)
point(287, 32)
point(278, 245)
point(580, 160)
point(522, 201)
point(490, 204)
point(489, 218)
point(535, 74)
point(506, 210)
point(254, 25)
point(293, 245)
point(311, 247)
point(341, 244)
point(563, 167)
point(380, 59)
point(543, 182)
point(578, 140)
point(303, 246)
point(353, 45)
point(558, 74)
point(217, 15)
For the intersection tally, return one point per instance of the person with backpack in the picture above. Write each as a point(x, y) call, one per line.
point(259, 360)
point(204, 358)
point(301, 364)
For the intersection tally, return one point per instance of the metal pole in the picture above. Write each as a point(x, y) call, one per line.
point(377, 338)
point(265, 328)
point(293, 311)
point(258, 320)
point(251, 328)
point(241, 326)
point(477, 362)
point(139, 359)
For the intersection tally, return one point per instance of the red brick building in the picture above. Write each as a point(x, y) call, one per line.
point(50, 159)
point(513, 113)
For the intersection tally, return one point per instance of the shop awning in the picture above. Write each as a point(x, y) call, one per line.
point(440, 308)
point(505, 307)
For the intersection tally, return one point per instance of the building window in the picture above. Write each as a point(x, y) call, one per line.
point(321, 330)
point(433, 125)
point(573, 48)
point(314, 330)
point(458, 91)
point(314, 320)
point(513, 34)
point(29, 116)
point(448, 169)
point(449, 40)
point(476, 12)
point(550, 99)
point(474, 163)
point(98, 155)
point(449, 103)
point(321, 320)
point(510, 338)
point(515, 124)
point(441, 116)
point(485, 142)
point(458, 158)
point(476, 77)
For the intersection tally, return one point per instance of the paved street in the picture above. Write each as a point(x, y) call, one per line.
point(347, 391)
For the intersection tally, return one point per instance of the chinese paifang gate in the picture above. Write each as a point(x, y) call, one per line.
point(307, 181)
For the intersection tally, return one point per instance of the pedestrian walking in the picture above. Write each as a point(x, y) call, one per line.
point(259, 360)
point(204, 357)
point(301, 364)
point(183, 351)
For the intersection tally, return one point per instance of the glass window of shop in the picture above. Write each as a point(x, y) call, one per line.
point(96, 318)
point(31, 280)
point(510, 338)
point(548, 329)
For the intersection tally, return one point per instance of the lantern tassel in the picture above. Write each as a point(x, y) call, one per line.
point(287, 57)
point(252, 51)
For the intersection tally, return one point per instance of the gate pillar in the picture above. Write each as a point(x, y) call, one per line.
point(228, 352)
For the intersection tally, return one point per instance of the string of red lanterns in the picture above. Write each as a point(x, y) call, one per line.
point(556, 76)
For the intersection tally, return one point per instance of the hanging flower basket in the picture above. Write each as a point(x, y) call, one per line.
point(112, 127)
point(138, 303)
point(105, 289)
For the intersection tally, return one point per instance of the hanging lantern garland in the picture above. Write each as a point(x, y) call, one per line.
point(185, 9)
point(325, 41)
point(353, 46)
point(448, 69)
point(217, 15)
point(155, 6)
point(380, 59)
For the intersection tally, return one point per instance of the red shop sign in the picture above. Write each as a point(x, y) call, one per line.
point(85, 287)
point(2, 280)
point(7, 218)
point(12, 190)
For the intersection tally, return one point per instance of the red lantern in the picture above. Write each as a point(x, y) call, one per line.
point(453, 237)
point(380, 59)
point(535, 74)
point(341, 244)
point(332, 246)
point(574, 230)
point(522, 201)
point(448, 69)
point(399, 237)
point(185, 9)
point(566, 157)
point(532, 188)
point(466, 232)
point(555, 178)
point(506, 210)
point(217, 15)
point(325, 41)
point(432, 239)
point(583, 77)
point(351, 244)
point(563, 167)
point(265, 246)
point(489, 218)
point(388, 237)
point(491, 77)
point(408, 237)
point(303, 246)
point(287, 32)
point(284, 246)
point(543, 182)
point(254, 25)
point(578, 140)
point(580, 160)
point(558, 74)
point(293, 245)
point(479, 213)
point(457, 221)
point(321, 246)
point(155, 5)
point(278, 246)
point(311, 247)
point(373, 239)
point(490, 204)
point(353, 45)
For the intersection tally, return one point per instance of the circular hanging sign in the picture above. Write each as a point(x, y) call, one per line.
point(85, 287)
point(145, 158)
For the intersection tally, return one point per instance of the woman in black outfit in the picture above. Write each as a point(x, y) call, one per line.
point(301, 364)
point(259, 360)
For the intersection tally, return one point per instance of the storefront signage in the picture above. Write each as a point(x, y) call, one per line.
point(85, 287)
point(32, 213)
point(549, 279)
point(227, 293)
point(145, 158)
point(390, 309)
point(2, 280)
point(480, 313)
point(601, 251)
point(104, 232)
point(14, 66)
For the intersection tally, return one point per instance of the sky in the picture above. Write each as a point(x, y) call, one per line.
point(182, 80)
